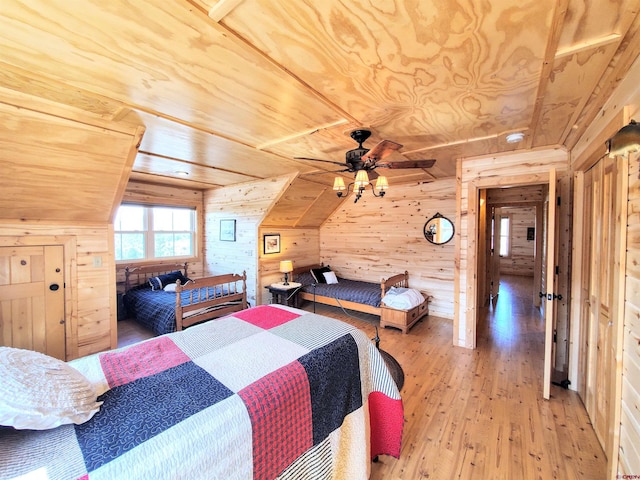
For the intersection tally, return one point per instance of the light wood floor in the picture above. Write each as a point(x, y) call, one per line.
point(479, 414)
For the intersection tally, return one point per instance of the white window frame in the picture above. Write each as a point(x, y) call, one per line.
point(148, 234)
point(506, 235)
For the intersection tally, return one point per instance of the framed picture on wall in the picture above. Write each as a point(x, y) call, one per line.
point(531, 233)
point(228, 230)
point(272, 243)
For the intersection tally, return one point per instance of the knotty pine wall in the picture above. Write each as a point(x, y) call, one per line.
point(623, 452)
point(379, 237)
point(247, 204)
point(300, 245)
point(521, 260)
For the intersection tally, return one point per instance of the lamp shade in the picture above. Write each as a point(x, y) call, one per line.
point(382, 183)
point(286, 266)
point(362, 179)
point(626, 140)
point(338, 184)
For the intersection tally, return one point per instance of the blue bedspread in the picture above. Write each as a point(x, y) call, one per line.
point(156, 309)
point(357, 291)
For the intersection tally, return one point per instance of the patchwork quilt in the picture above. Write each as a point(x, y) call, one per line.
point(271, 392)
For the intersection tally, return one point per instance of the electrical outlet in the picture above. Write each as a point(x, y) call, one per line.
point(97, 261)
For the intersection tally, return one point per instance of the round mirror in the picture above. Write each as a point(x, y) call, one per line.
point(438, 229)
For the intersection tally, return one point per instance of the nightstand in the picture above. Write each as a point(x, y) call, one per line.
point(284, 294)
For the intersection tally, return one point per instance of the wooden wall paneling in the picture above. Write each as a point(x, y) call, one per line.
point(248, 204)
point(378, 237)
point(629, 399)
point(521, 260)
point(620, 212)
point(580, 245)
point(300, 245)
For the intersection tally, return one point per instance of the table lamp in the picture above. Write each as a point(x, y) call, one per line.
point(286, 266)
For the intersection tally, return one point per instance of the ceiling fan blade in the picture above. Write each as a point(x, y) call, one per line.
point(408, 164)
point(318, 160)
point(323, 172)
point(372, 175)
point(381, 150)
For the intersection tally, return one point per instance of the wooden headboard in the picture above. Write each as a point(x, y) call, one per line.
point(134, 276)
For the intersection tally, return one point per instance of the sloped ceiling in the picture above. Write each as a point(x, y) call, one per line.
point(231, 91)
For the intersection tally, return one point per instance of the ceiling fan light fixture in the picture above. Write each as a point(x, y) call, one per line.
point(338, 184)
point(382, 183)
point(362, 179)
point(515, 137)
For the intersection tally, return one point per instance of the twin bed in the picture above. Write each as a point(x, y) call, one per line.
point(161, 308)
point(263, 393)
point(355, 295)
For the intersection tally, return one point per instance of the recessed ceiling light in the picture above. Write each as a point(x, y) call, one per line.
point(515, 137)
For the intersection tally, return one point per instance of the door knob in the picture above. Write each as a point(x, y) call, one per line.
point(53, 287)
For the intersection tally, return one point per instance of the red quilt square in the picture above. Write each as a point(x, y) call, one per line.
point(386, 417)
point(279, 406)
point(141, 361)
point(266, 316)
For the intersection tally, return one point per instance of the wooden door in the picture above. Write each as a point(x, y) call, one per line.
point(495, 254)
point(32, 299)
point(550, 317)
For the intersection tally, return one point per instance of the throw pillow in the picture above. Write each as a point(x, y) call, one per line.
point(38, 392)
point(318, 274)
point(330, 277)
point(159, 282)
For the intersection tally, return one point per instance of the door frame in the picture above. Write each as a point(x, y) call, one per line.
point(68, 243)
point(474, 213)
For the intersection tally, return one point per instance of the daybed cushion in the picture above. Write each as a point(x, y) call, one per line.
point(402, 298)
point(318, 274)
point(39, 392)
point(159, 282)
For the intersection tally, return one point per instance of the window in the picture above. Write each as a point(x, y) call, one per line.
point(505, 235)
point(154, 232)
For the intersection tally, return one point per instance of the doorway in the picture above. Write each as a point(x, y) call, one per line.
point(523, 211)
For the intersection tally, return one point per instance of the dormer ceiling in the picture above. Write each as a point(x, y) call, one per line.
point(231, 91)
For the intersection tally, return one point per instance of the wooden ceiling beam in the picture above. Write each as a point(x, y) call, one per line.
point(555, 28)
point(222, 9)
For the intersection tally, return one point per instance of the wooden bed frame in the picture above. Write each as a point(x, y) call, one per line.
point(200, 302)
point(399, 280)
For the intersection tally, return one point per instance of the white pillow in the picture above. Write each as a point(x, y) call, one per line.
point(330, 277)
point(39, 392)
point(170, 288)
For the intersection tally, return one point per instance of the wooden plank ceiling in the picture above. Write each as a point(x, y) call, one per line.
point(231, 91)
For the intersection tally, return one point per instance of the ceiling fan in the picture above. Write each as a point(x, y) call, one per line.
point(362, 158)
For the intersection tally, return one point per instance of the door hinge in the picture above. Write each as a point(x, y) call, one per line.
point(559, 202)
point(557, 270)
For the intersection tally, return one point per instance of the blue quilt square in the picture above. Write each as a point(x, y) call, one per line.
point(133, 413)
